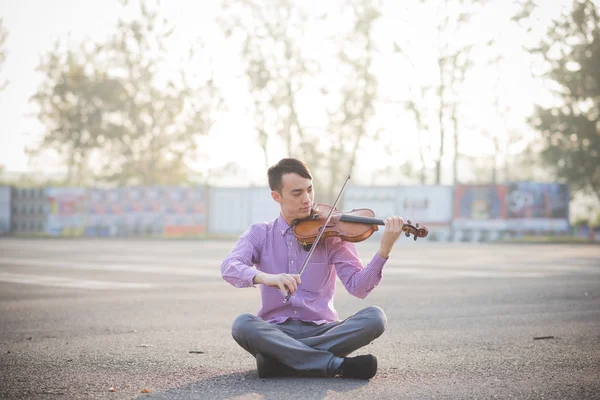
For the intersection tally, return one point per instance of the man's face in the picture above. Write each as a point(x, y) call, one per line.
point(296, 197)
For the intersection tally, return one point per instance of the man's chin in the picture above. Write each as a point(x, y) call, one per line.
point(304, 214)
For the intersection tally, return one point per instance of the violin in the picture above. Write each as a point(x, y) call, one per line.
point(354, 226)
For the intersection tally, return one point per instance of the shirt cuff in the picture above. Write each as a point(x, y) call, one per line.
point(248, 277)
point(375, 272)
point(378, 262)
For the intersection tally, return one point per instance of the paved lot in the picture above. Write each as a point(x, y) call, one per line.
point(78, 317)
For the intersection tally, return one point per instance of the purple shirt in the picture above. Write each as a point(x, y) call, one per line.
point(271, 247)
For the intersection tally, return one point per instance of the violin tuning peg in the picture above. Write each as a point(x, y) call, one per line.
point(407, 234)
point(416, 237)
point(409, 222)
point(417, 225)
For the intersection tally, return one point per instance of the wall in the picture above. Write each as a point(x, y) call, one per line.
point(457, 213)
point(232, 210)
point(5, 209)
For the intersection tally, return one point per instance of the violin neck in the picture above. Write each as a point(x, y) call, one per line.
point(361, 220)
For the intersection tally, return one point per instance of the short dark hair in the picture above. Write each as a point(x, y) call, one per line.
point(286, 166)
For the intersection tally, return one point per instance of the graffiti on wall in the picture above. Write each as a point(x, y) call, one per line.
point(538, 206)
point(140, 211)
point(480, 202)
point(127, 211)
point(538, 200)
point(105, 213)
point(185, 211)
point(67, 211)
point(522, 206)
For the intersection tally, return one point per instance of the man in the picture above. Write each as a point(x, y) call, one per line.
point(304, 335)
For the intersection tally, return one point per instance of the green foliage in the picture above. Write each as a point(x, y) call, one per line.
point(280, 74)
point(349, 121)
point(454, 63)
point(276, 69)
point(74, 99)
point(108, 105)
point(569, 141)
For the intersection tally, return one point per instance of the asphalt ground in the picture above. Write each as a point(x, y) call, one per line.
point(81, 317)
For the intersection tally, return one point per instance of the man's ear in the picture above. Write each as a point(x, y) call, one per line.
point(276, 196)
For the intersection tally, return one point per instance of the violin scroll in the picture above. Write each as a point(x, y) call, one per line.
point(415, 230)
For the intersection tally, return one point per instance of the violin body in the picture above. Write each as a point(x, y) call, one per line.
point(354, 226)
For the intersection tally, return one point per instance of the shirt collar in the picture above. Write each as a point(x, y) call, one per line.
point(283, 226)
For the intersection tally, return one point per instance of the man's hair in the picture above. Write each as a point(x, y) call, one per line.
point(286, 166)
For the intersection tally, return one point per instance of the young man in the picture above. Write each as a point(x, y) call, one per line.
point(304, 335)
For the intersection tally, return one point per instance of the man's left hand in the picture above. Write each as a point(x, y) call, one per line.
point(393, 230)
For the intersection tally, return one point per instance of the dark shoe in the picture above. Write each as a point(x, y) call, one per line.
point(359, 367)
point(271, 368)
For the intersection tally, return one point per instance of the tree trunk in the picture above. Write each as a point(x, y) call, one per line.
point(438, 163)
point(455, 179)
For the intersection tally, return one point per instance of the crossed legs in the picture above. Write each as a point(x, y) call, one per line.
point(315, 350)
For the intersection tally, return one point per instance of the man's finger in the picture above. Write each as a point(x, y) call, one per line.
point(289, 286)
point(288, 281)
point(282, 288)
point(399, 222)
point(292, 284)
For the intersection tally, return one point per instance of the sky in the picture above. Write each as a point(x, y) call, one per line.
point(34, 25)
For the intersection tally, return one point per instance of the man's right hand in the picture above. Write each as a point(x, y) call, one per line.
point(284, 282)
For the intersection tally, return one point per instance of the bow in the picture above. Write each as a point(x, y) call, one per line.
point(314, 245)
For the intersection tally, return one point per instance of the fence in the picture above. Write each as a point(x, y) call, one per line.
point(462, 212)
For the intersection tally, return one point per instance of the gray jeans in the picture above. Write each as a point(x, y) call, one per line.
point(311, 349)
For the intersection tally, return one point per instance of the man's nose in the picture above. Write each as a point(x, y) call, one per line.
point(307, 198)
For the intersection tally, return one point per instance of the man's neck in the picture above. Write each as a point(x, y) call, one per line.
point(287, 219)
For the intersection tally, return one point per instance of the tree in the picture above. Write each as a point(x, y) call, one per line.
point(349, 120)
point(460, 64)
point(3, 36)
point(282, 78)
point(422, 130)
point(438, 105)
point(506, 139)
point(73, 100)
point(569, 129)
point(157, 126)
point(276, 69)
point(108, 105)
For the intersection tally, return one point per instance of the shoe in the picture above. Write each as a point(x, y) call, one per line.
point(271, 368)
point(359, 367)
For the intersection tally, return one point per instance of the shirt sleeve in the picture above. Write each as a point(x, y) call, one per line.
point(358, 280)
point(238, 268)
